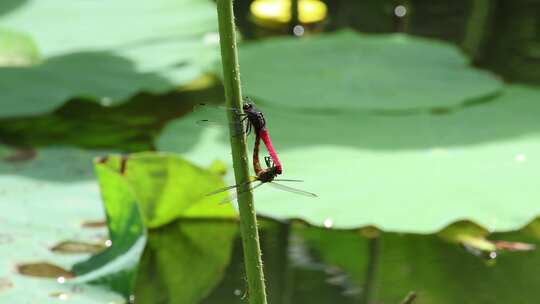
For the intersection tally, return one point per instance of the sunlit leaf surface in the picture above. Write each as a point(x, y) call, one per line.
point(364, 72)
point(142, 191)
point(167, 187)
point(17, 49)
point(409, 173)
point(109, 51)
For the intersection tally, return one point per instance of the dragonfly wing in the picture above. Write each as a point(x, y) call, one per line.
point(234, 195)
point(226, 188)
point(256, 186)
point(229, 198)
point(212, 107)
point(288, 180)
point(210, 123)
point(216, 116)
point(293, 190)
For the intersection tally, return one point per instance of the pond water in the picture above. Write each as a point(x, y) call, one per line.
point(203, 263)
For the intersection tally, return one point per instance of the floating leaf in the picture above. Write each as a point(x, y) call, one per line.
point(71, 247)
point(44, 270)
point(109, 51)
point(102, 75)
point(141, 191)
point(364, 72)
point(409, 173)
point(168, 187)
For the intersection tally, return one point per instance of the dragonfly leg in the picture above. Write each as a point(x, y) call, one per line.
point(248, 128)
point(268, 161)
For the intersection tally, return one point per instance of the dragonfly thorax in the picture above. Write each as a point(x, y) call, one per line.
point(268, 175)
point(255, 117)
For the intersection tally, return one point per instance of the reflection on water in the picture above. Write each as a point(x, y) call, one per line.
point(313, 265)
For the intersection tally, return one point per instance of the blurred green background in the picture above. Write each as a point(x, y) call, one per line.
point(416, 123)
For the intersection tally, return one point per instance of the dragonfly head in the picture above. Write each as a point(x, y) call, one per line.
point(248, 104)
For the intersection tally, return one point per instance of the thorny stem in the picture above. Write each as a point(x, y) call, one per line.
point(233, 95)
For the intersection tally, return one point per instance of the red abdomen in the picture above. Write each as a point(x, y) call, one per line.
point(268, 143)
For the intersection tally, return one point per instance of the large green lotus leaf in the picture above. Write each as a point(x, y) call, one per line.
point(141, 191)
point(103, 75)
point(109, 51)
point(46, 196)
point(167, 187)
point(357, 71)
point(413, 173)
point(116, 266)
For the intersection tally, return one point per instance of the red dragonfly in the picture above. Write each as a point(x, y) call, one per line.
point(264, 176)
point(254, 120)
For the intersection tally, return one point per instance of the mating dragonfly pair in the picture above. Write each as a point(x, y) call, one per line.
point(254, 121)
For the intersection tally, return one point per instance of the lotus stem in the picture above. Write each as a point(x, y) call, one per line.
point(233, 99)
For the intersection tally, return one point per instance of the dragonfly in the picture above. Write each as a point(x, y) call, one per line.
point(253, 119)
point(264, 176)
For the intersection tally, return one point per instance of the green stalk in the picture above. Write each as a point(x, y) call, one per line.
point(233, 99)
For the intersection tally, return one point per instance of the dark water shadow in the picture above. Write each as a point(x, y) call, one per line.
point(104, 76)
point(84, 123)
point(512, 115)
point(128, 127)
point(184, 261)
point(330, 266)
point(509, 116)
point(288, 278)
